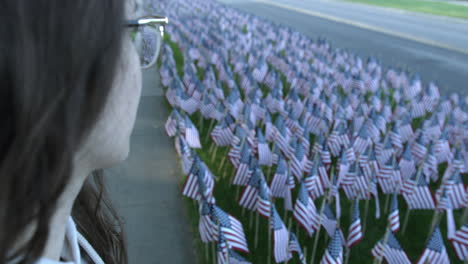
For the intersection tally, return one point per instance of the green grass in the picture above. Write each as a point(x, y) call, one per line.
point(420, 6)
point(227, 197)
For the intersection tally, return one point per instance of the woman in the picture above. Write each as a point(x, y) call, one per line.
point(69, 91)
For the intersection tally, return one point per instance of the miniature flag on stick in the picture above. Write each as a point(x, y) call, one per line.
point(355, 229)
point(334, 252)
point(435, 252)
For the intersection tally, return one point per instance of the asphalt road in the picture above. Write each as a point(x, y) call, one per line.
point(434, 47)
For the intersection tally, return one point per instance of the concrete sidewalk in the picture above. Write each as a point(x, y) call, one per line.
point(146, 188)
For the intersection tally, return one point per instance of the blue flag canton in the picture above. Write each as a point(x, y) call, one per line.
point(435, 242)
point(407, 153)
point(456, 177)
point(335, 247)
point(303, 194)
point(254, 180)
point(221, 217)
point(282, 166)
point(260, 138)
point(422, 181)
point(328, 212)
point(276, 222)
point(393, 242)
point(245, 155)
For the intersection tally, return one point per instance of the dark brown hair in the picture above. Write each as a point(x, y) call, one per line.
point(57, 65)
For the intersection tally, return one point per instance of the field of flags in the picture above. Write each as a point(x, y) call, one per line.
point(295, 152)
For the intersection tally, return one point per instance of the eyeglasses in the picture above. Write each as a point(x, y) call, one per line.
point(147, 37)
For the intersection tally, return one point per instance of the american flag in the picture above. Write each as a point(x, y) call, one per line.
point(460, 242)
point(280, 237)
point(263, 199)
point(456, 190)
point(186, 102)
point(407, 165)
point(386, 151)
point(390, 250)
point(199, 184)
point(355, 231)
point(386, 170)
point(186, 154)
point(222, 134)
point(305, 211)
point(419, 148)
point(231, 228)
point(435, 252)
point(458, 163)
point(394, 216)
point(172, 123)
point(278, 184)
point(421, 197)
point(297, 161)
point(329, 220)
point(314, 184)
point(350, 175)
point(362, 140)
point(191, 134)
point(395, 136)
point(442, 148)
point(265, 156)
point(294, 246)
point(343, 168)
point(325, 155)
point(334, 252)
point(206, 226)
point(243, 169)
point(240, 136)
point(222, 249)
point(250, 195)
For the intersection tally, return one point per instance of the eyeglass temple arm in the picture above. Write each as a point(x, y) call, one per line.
point(145, 21)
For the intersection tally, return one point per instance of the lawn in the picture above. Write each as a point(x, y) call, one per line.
point(421, 6)
point(227, 196)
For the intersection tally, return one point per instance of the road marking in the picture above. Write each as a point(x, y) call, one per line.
point(365, 26)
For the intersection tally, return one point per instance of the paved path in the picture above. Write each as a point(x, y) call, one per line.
point(146, 187)
point(381, 33)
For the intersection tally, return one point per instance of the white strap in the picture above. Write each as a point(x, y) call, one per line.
point(89, 249)
point(71, 235)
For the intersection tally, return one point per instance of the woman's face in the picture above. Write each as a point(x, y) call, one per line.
point(109, 141)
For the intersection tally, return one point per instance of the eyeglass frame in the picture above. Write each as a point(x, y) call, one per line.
point(162, 21)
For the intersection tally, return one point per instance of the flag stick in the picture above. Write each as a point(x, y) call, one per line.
point(269, 245)
point(322, 209)
point(366, 210)
point(387, 234)
point(435, 221)
point(387, 202)
point(213, 155)
point(200, 121)
point(250, 218)
point(407, 215)
point(211, 148)
point(207, 253)
point(221, 164)
point(347, 254)
point(305, 254)
point(256, 229)
point(405, 221)
point(289, 231)
point(209, 129)
point(214, 252)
